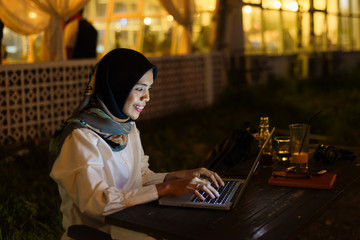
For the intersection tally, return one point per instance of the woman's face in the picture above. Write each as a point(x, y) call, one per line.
point(139, 96)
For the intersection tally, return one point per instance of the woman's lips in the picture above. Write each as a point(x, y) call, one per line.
point(139, 108)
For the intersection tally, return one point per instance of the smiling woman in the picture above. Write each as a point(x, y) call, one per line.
point(139, 96)
point(96, 155)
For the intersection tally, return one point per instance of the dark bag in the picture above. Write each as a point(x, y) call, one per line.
point(234, 155)
point(331, 154)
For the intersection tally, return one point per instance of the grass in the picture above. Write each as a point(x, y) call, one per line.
point(29, 201)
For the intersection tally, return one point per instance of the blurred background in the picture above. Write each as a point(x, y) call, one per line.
point(159, 27)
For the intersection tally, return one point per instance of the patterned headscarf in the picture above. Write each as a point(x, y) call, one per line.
point(109, 86)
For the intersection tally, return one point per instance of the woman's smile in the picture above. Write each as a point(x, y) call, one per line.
point(139, 108)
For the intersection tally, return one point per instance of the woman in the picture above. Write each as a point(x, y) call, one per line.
point(99, 164)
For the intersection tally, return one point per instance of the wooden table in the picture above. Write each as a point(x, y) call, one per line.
point(264, 212)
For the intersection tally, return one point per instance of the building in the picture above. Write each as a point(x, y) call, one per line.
point(314, 33)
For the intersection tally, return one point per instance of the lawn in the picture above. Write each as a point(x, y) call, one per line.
point(29, 201)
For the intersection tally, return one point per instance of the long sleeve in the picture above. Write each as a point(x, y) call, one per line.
point(95, 181)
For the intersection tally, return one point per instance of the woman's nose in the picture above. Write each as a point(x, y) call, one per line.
point(146, 96)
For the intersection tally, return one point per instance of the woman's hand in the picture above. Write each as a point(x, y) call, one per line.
point(181, 186)
point(191, 181)
point(198, 172)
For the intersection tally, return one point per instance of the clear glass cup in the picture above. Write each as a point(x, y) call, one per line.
point(282, 148)
point(299, 142)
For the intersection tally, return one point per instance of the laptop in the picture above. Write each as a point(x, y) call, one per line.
point(229, 194)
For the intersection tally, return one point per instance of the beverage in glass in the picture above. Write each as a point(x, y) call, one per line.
point(282, 146)
point(299, 141)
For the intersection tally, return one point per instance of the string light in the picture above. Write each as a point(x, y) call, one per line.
point(32, 15)
point(170, 18)
point(147, 21)
point(247, 9)
point(123, 21)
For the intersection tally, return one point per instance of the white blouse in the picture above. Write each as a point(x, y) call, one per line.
point(95, 181)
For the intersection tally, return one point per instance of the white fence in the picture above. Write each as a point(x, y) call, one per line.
point(35, 98)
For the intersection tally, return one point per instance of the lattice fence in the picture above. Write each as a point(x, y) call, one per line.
point(35, 98)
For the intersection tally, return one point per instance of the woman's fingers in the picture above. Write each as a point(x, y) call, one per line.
point(199, 195)
point(209, 190)
point(205, 186)
point(204, 189)
point(217, 178)
point(213, 179)
point(197, 185)
point(213, 176)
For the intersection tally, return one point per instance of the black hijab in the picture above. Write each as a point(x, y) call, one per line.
point(116, 75)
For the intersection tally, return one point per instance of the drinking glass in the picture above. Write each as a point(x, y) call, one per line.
point(282, 146)
point(299, 141)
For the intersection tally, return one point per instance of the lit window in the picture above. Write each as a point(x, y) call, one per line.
point(271, 4)
point(14, 46)
point(345, 39)
point(125, 6)
point(344, 6)
point(252, 29)
point(304, 5)
point(356, 33)
point(289, 32)
point(153, 7)
point(252, 1)
point(305, 32)
point(333, 32)
point(332, 7)
point(320, 39)
point(272, 32)
point(355, 8)
point(320, 4)
point(205, 5)
point(290, 5)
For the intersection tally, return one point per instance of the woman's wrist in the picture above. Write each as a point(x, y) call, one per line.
point(162, 188)
point(176, 175)
point(170, 176)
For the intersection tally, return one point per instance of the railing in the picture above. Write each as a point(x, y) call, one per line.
point(35, 98)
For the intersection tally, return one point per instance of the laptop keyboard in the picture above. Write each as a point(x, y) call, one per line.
point(224, 192)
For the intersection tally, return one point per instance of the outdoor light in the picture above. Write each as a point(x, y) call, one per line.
point(170, 18)
point(247, 9)
point(277, 4)
point(100, 48)
point(147, 21)
point(11, 49)
point(293, 6)
point(32, 15)
point(123, 21)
